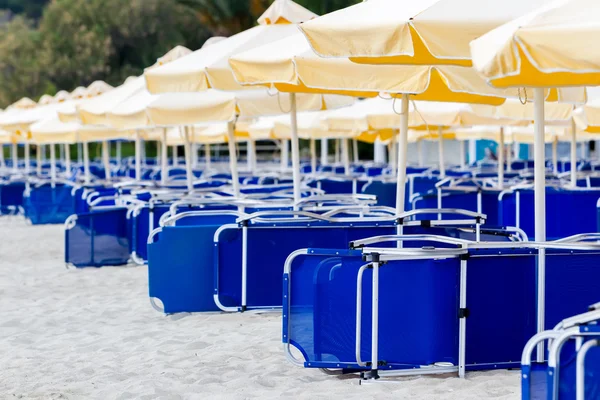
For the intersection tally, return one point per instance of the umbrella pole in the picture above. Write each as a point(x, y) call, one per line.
point(501, 159)
point(38, 156)
point(295, 149)
point(573, 153)
point(188, 159)
point(337, 151)
point(402, 155)
point(119, 152)
point(324, 151)
point(508, 158)
point(15, 157)
point(138, 156)
point(207, 155)
point(67, 159)
point(583, 150)
point(53, 163)
point(420, 152)
point(355, 151)
point(393, 150)
point(2, 164)
point(346, 156)
point(313, 157)
point(233, 159)
point(555, 155)
point(86, 163)
point(285, 155)
point(540, 210)
point(463, 161)
point(79, 153)
point(106, 160)
point(194, 155)
point(441, 152)
point(164, 158)
point(251, 149)
point(174, 154)
point(27, 166)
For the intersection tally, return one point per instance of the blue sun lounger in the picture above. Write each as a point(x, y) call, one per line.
point(572, 368)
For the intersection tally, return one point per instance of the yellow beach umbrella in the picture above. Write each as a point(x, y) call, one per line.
point(426, 32)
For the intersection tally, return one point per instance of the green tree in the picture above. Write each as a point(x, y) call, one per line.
point(21, 73)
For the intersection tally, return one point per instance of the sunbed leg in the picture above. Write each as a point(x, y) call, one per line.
point(463, 314)
point(244, 263)
point(374, 374)
point(580, 370)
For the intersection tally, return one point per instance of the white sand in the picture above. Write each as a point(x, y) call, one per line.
point(92, 333)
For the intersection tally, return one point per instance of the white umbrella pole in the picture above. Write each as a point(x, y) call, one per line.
point(38, 156)
point(79, 152)
point(194, 155)
point(138, 156)
point(67, 159)
point(164, 158)
point(324, 151)
point(188, 159)
point(508, 158)
point(573, 153)
point(15, 157)
point(337, 151)
point(420, 153)
point(27, 164)
point(174, 154)
point(583, 154)
point(53, 163)
point(106, 160)
point(285, 155)
point(355, 151)
point(295, 149)
point(233, 158)
point(540, 209)
point(119, 152)
point(86, 163)
point(61, 153)
point(555, 155)
point(313, 157)
point(251, 149)
point(346, 156)
point(402, 156)
point(463, 160)
point(2, 164)
point(393, 150)
point(501, 159)
point(207, 155)
point(441, 152)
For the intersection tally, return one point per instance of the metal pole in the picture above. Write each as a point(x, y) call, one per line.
point(251, 149)
point(573, 153)
point(79, 153)
point(207, 155)
point(509, 158)
point(119, 153)
point(188, 158)
point(194, 155)
point(233, 158)
point(463, 160)
point(53, 163)
point(38, 156)
point(175, 156)
point(27, 163)
point(15, 157)
point(501, 159)
point(402, 156)
point(555, 155)
point(540, 210)
point(86, 163)
point(441, 152)
point(106, 160)
point(2, 163)
point(393, 150)
point(313, 157)
point(285, 155)
point(420, 153)
point(295, 149)
point(324, 151)
point(346, 156)
point(355, 151)
point(67, 159)
point(138, 156)
point(164, 158)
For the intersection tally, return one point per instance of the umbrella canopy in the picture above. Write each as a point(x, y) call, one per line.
point(53, 130)
point(552, 46)
point(208, 67)
point(291, 66)
point(425, 32)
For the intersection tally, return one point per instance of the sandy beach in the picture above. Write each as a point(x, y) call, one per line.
point(92, 334)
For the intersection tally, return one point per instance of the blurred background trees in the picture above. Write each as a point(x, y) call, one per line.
point(46, 46)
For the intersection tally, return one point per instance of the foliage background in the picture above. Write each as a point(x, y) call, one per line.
point(51, 45)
